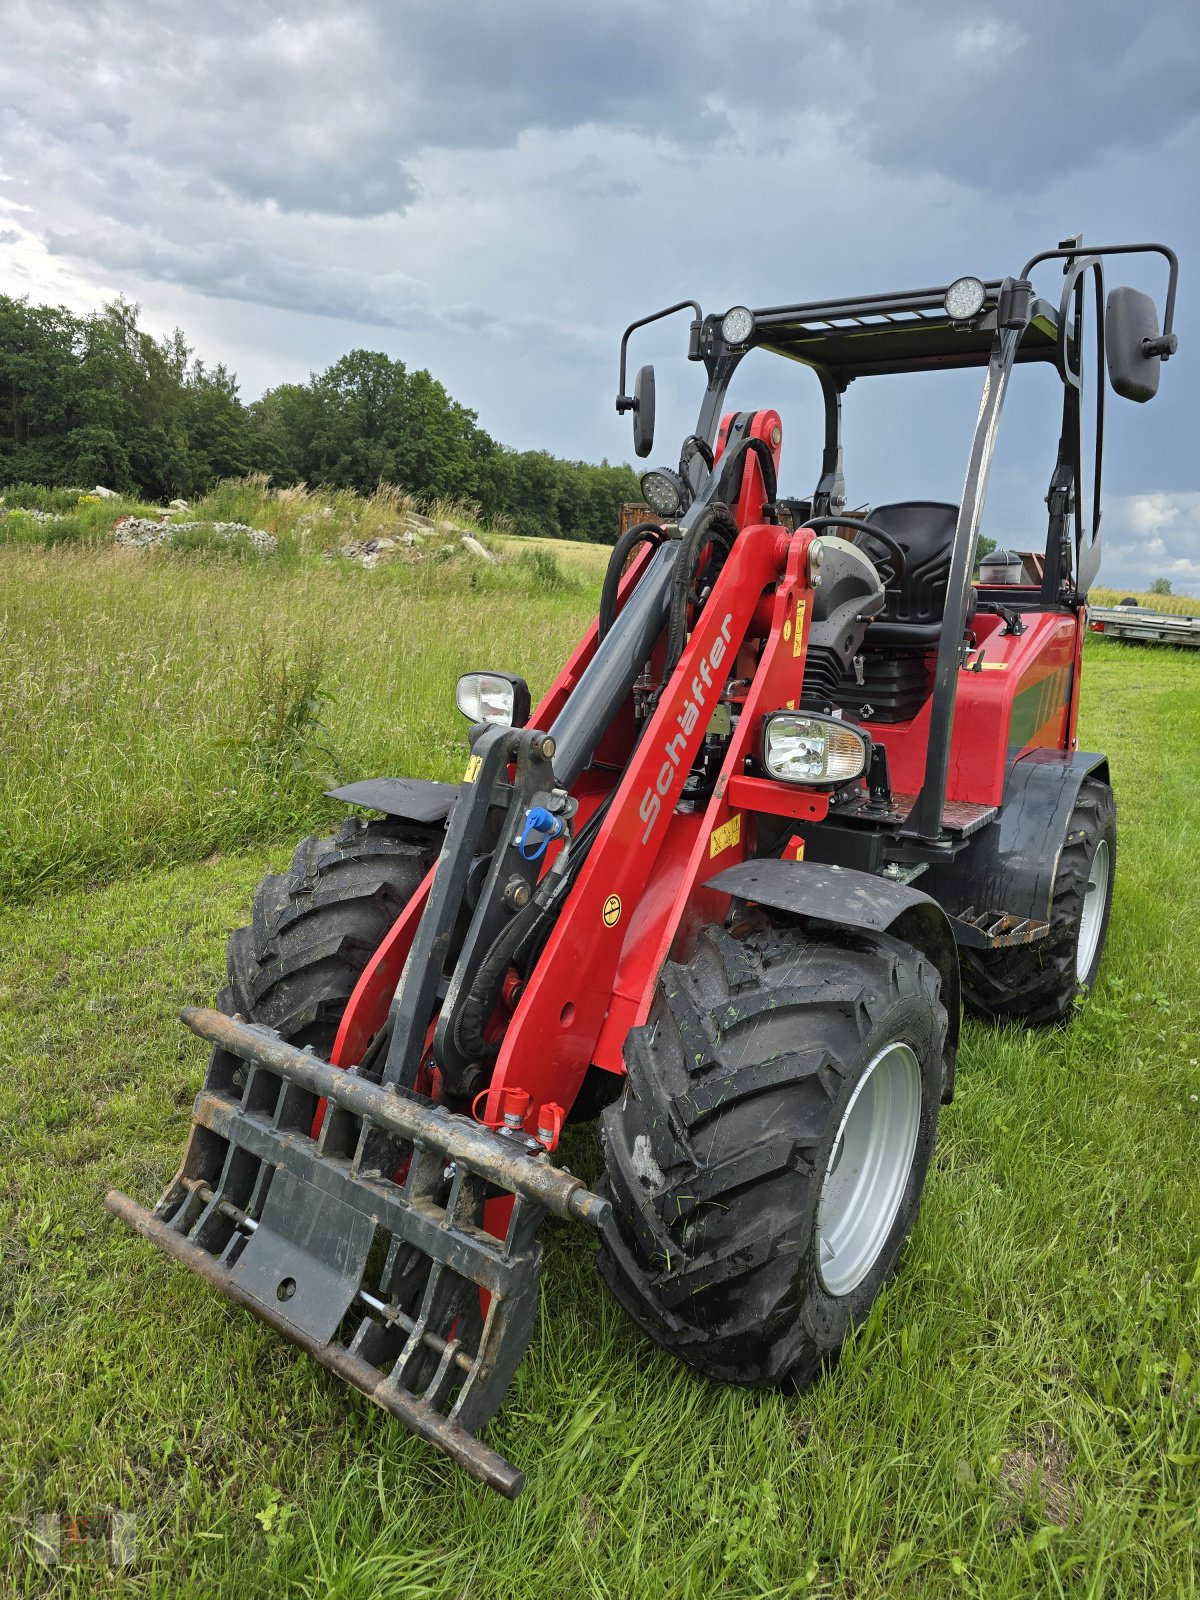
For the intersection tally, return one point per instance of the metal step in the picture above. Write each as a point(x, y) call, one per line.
point(996, 930)
point(958, 816)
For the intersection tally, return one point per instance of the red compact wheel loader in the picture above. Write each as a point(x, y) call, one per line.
point(802, 789)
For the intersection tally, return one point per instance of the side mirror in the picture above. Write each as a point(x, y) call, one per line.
point(643, 411)
point(1133, 346)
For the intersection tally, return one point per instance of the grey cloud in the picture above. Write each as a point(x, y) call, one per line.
point(1020, 95)
point(236, 269)
point(326, 111)
point(499, 189)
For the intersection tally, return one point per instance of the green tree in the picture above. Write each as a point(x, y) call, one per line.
point(1161, 586)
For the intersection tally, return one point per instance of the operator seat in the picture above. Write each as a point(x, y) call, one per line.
point(912, 611)
point(893, 674)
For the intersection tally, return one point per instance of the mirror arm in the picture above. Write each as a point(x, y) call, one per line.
point(626, 402)
point(1167, 338)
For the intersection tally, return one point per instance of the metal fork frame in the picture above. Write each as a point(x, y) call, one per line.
point(449, 1361)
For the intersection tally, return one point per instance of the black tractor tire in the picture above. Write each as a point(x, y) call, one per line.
point(1037, 984)
point(315, 927)
point(730, 1122)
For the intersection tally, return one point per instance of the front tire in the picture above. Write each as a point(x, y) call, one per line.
point(315, 927)
point(1038, 984)
point(766, 1160)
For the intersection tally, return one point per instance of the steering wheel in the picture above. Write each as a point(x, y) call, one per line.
point(895, 566)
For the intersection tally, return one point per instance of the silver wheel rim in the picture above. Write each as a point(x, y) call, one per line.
point(1094, 898)
point(868, 1168)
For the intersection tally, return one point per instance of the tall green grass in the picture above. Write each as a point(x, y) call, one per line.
point(304, 521)
point(155, 708)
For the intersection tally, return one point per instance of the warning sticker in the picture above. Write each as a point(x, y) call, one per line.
point(798, 637)
point(612, 911)
point(726, 836)
point(473, 769)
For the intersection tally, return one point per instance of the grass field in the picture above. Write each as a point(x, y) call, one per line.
point(1179, 605)
point(1021, 1413)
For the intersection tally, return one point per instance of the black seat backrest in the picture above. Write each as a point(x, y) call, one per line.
point(924, 530)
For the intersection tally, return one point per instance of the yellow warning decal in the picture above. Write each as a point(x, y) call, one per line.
point(474, 766)
point(611, 914)
point(985, 666)
point(798, 640)
point(726, 836)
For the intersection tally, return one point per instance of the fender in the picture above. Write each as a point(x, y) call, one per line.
point(855, 899)
point(422, 800)
point(1013, 862)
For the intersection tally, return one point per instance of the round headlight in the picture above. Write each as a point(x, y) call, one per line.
point(663, 491)
point(737, 325)
point(964, 299)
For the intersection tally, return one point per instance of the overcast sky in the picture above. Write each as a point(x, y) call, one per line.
point(494, 190)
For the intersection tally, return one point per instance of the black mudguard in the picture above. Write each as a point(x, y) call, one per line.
point(1013, 862)
point(855, 899)
point(420, 800)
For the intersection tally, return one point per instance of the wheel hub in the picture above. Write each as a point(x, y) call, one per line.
point(1095, 897)
point(868, 1168)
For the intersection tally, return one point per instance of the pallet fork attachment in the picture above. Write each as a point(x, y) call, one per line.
point(391, 1282)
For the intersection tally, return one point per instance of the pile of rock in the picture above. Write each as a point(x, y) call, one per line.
point(367, 552)
point(141, 532)
point(412, 530)
point(33, 515)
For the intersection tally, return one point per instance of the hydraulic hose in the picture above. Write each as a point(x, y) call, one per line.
point(521, 940)
point(734, 459)
point(716, 527)
point(640, 533)
point(475, 1010)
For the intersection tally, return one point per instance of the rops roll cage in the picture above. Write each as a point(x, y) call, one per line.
point(912, 331)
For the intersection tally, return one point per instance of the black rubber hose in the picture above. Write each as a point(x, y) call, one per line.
point(521, 941)
point(641, 532)
point(480, 1001)
point(759, 449)
point(713, 526)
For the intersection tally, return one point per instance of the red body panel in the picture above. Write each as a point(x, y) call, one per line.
point(767, 426)
point(552, 1037)
point(1014, 694)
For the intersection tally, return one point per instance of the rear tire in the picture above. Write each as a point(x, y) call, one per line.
point(735, 1243)
point(315, 927)
point(1037, 984)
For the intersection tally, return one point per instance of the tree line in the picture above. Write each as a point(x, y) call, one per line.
point(95, 399)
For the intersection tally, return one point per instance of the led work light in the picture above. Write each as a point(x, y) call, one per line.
point(737, 325)
point(802, 748)
point(664, 491)
point(964, 299)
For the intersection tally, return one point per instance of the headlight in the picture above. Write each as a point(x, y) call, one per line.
point(664, 491)
point(737, 325)
point(964, 299)
point(809, 749)
point(496, 697)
